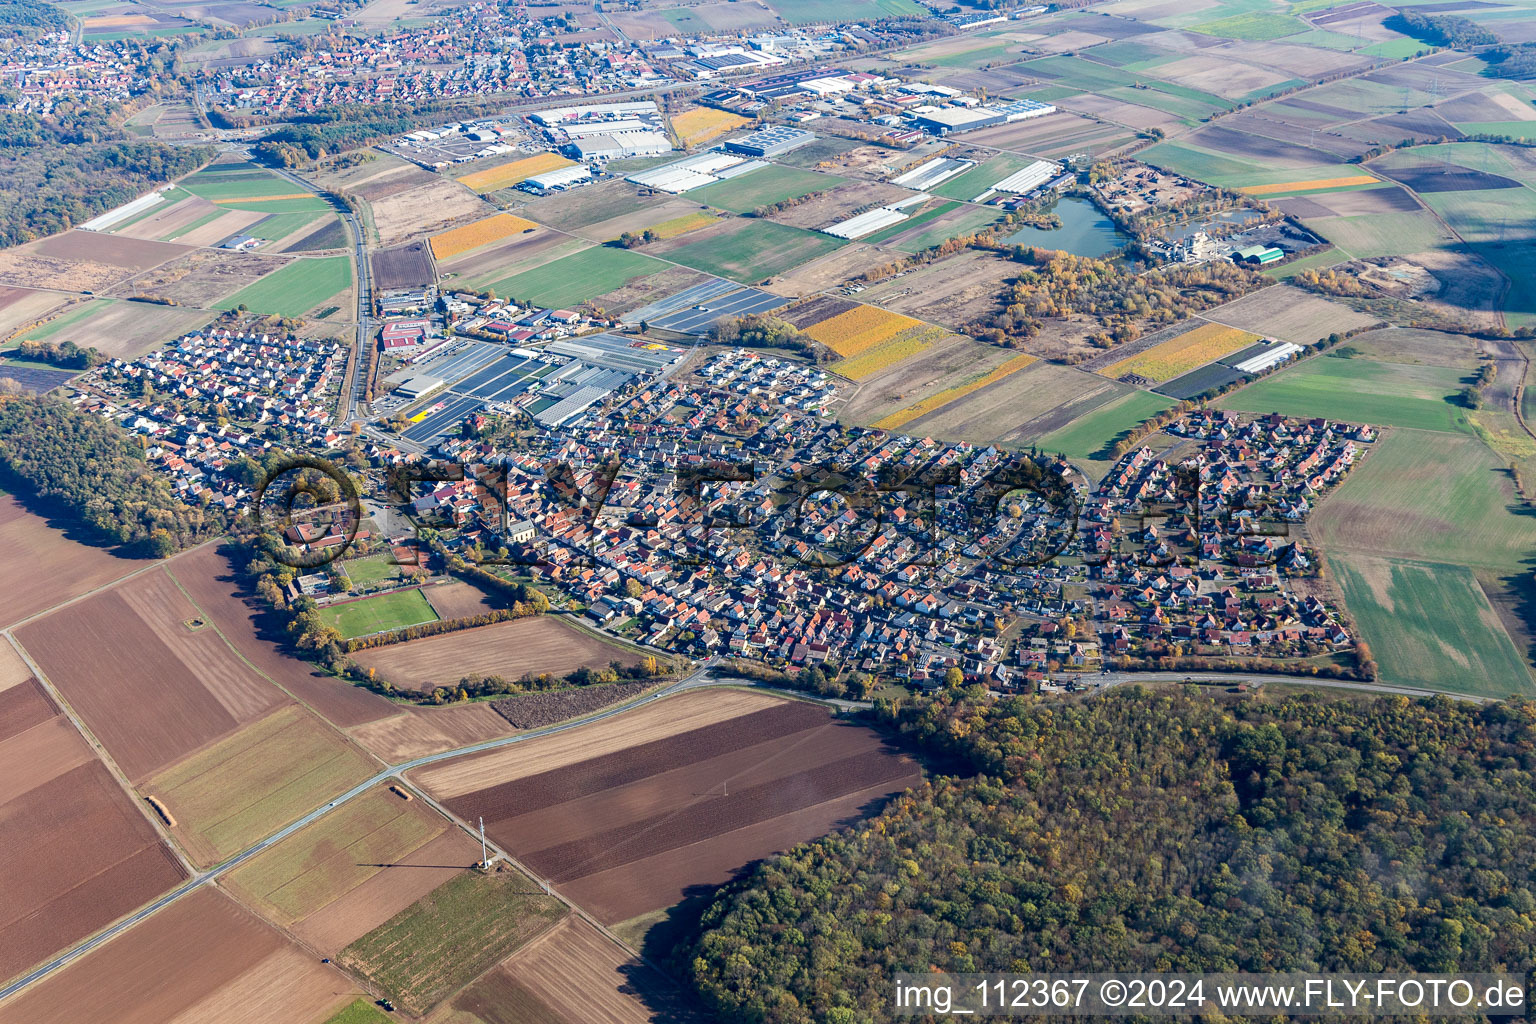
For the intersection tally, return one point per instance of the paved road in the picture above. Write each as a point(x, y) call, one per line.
point(702, 678)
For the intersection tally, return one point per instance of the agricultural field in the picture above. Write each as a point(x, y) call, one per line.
point(82, 261)
point(341, 877)
point(480, 268)
point(56, 890)
point(454, 933)
point(513, 172)
point(626, 815)
point(1091, 436)
point(763, 187)
point(948, 362)
point(57, 567)
point(537, 645)
point(1358, 391)
point(704, 124)
point(407, 266)
point(417, 731)
point(953, 292)
point(1020, 407)
point(1179, 355)
point(394, 610)
point(202, 958)
point(397, 216)
point(897, 349)
point(857, 330)
point(583, 207)
point(1431, 625)
point(1288, 314)
point(459, 600)
point(228, 795)
point(202, 278)
point(899, 419)
point(579, 277)
point(747, 251)
point(20, 307)
point(296, 288)
point(573, 974)
point(174, 685)
point(119, 328)
point(243, 185)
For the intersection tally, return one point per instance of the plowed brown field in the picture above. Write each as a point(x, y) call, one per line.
point(55, 567)
point(633, 825)
point(202, 959)
point(169, 688)
point(55, 888)
point(508, 649)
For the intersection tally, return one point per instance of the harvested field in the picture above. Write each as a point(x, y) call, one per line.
point(573, 974)
point(56, 567)
point(1177, 356)
point(730, 792)
point(894, 387)
point(1351, 204)
point(533, 710)
point(704, 124)
point(230, 794)
point(132, 254)
point(1219, 76)
point(479, 268)
point(407, 266)
point(13, 671)
point(482, 232)
point(171, 689)
point(123, 329)
point(453, 933)
point(243, 622)
point(1038, 399)
point(537, 645)
point(839, 204)
point(505, 175)
point(571, 211)
point(1426, 177)
point(56, 890)
point(829, 271)
point(817, 310)
point(429, 730)
point(1289, 314)
point(201, 959)
point(953, 292)
point(655, 721)
point(23, 267)
point(330, 233)
point(357, 846)
point(1311, 184)
point(424, 208)
point(204, 277)
point(20, 307)
point(637, 220)
point(170, 219)
point(458, 600)
point(900, 418)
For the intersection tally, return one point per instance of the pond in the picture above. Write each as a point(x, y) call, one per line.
point(1084, 230)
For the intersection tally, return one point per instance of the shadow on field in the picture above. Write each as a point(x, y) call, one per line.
point(1521, 586)
point(59, 516)
point(269, 626)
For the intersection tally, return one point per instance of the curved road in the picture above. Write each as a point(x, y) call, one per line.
point(700, 679)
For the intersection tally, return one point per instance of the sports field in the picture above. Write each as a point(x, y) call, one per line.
point(771, 184)
point(1358, 391)
point(1430, 624)
point(295, 289)
point(375, 614)
point(750, 251)
point(375, 568)
point(574, 279)
point(1091, 436)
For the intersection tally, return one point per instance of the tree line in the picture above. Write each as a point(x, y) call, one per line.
point(89, 470)
point(1150, 831)
point(475, 685)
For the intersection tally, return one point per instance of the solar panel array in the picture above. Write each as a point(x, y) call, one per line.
point(700, 318)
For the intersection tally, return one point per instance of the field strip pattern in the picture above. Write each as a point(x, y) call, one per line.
point(902, 417)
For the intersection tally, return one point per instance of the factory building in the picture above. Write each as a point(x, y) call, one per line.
point(771, 141)
point(560, 178)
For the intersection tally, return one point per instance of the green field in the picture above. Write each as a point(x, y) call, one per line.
point(806, 12)
point(762, 187)
point(1433, 496)
point(453, 934)
point(1359, 391)
point(1090, 436)
point(249, 785)
point(1430, 625)
point(574, 279)
point(980, 178)
point(361, 1012)
point(753, 250)
point(992, 54)
point(246, 181)
point(931, 211)
point(1203, 164)
point(1395, 49)
point(1382, 234)
point(323, 861)
point(374, 569)
point(394, 610)
point(973, 219)
point(61, 323)
point(296, 288)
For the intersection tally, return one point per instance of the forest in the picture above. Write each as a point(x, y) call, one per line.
point(91, 472)
point(63, 169)
point(1140, 830)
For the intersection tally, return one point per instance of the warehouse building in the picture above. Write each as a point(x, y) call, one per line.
point(771, 141)
point(554, 181)
point(943, 120)
point(613, 147)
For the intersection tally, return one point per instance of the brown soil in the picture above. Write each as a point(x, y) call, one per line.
point(728, 793)
point(425, 208)
point(204, 277)
point(131, 254)
point(508, 649)
point(13, 671)
point(421, 731)
point(406, 267)
point(208, 579)
point(952, 292)
point(533, 710)
point(55, 567)
point(459, 600)
point(184, 963)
